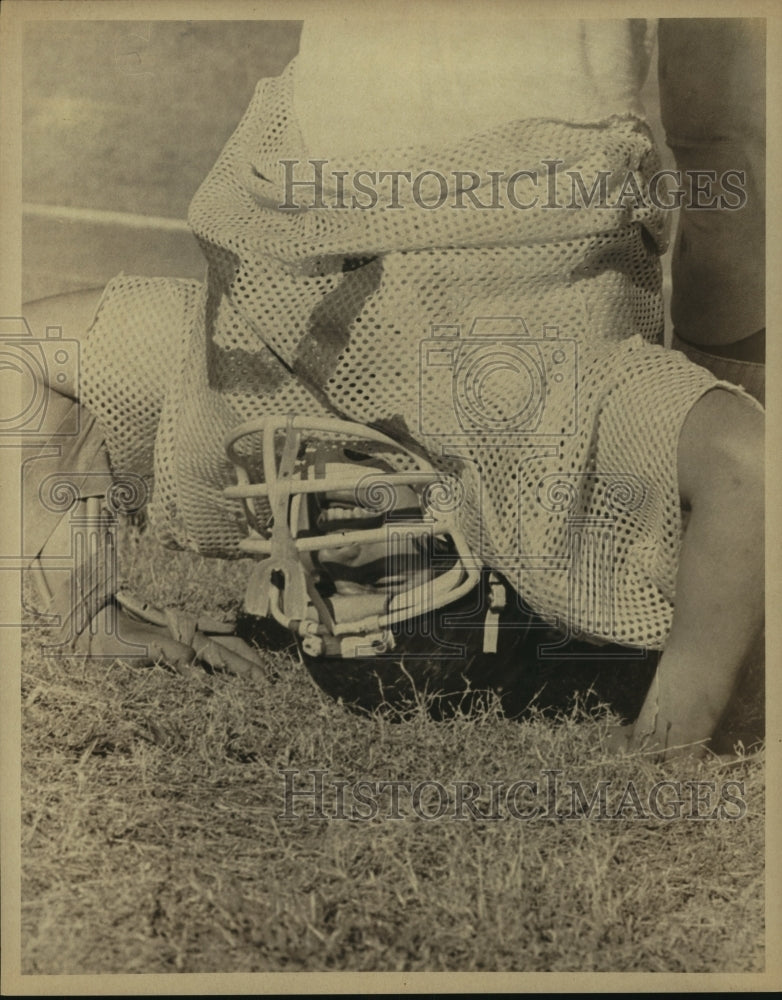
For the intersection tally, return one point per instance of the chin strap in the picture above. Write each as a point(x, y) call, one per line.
point(498, 599)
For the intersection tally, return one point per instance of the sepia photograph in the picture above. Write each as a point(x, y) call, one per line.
point(384, 442)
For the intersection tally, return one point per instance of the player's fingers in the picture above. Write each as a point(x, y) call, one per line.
point(155, 642)
point(149, 648)
point(113, 634)
point(229, 653)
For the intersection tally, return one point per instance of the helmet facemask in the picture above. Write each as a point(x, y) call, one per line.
point(355, 535)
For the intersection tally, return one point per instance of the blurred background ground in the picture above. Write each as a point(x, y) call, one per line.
point(129, 116)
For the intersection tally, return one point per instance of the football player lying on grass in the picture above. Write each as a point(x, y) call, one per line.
point(486, 298)
point(344, 561)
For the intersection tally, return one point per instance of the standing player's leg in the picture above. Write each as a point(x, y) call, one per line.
point(712, 93)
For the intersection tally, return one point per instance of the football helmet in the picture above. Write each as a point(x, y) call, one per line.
point(356, 535)
point(361, 561)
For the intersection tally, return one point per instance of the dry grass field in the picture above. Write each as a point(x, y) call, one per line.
point(158, 835)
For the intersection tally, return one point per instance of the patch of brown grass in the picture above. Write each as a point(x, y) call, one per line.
point(154, 835)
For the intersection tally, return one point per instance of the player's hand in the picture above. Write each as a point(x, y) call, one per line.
point(172, 636)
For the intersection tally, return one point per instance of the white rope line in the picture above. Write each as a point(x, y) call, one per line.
point(129, 220)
